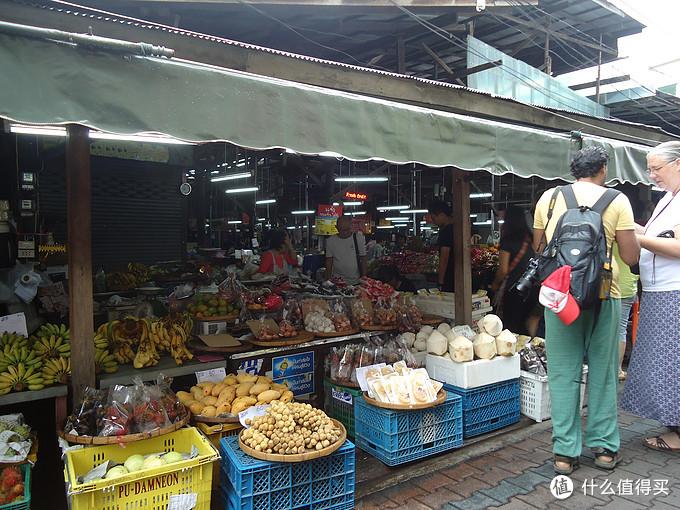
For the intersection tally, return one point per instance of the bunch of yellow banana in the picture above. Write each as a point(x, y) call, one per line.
point(178, 348)
point(56, 370)
point(104, 361)
point(101, 343)
point(13, 356)
point(52, 347)
point(160, 336)
point(20, 378)
point(13, 340)
point(147, 355)
point(124, 354)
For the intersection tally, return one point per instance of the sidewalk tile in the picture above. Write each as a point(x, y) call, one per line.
point(403, 492)
point(504, 491)
point(529, 480)
point(513, 504)
point(540, 497)
point(432, 481)
point(621, 504)
point(477, 502)
point(469, 487)
point(494, 475)
point(375, 502)
point(461, 471)
point(439, 498)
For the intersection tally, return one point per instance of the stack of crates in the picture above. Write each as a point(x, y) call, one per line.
point(397, 437)
point(489, 407)
point(251, 484)
point(339, 404)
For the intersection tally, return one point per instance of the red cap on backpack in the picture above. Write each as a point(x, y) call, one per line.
point(555, 295)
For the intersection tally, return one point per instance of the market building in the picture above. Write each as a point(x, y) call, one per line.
point(146, 180)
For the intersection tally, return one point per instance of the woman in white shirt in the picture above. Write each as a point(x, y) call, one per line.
point(653, 385)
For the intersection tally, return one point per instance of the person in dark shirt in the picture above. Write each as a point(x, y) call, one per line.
point(515, 253)
point(441, 216)
point(391, 276)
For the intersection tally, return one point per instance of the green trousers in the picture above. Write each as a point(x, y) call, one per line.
point(565, 348)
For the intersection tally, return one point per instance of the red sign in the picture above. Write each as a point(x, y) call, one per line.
point(331, 211)
point(354, 195)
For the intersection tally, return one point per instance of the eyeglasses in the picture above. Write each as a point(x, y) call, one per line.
point(659, 168)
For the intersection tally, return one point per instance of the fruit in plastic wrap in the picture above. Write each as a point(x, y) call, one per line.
point(341, 322)
point(287, 330)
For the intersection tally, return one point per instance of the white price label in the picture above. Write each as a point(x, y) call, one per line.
point(183, 501)
point(212, 375)
point(251, 413)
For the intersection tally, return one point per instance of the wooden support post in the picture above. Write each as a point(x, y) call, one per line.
point(461, 247)
point(599, 72)
point(79, 218)
point(401, 55)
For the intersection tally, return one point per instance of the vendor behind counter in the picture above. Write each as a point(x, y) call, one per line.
point(391, 276)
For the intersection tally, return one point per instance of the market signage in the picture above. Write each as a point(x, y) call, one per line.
point(355, 195)
point(295, 371)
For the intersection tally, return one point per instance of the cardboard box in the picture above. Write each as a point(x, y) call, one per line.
point(472, 374)
point(443, 304)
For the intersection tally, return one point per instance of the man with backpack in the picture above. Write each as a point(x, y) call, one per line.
point(580, 222)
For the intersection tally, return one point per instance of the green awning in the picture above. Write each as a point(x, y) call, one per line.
point(47, 82)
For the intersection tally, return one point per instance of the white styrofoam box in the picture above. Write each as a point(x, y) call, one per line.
point(442, 304)
point(535, 396)
point(472, 374)
point(210, 327)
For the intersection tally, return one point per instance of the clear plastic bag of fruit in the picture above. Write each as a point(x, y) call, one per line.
point(340, 315)
point(174, 409)
point(292, 313)
point(83, 421)
point(409, 317)
point(362, 313)
point(384, 313)
point(116, 415)
point(148, 411)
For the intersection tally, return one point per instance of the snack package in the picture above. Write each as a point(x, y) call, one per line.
point(367, 355)
point(287, 330)
point(401, 390)
point(116, 415)
point(531, 362)
point(362, 312)
point(346, 364)
point(292, 313)
point(340, 315)
point(83, 421)
point(384, 313)
point(409, 316)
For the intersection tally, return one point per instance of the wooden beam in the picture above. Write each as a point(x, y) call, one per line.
point(437, 59)
point(478, 69)
point(606, 81)
point(461, 247)
point(79, 219)
point(536, 27)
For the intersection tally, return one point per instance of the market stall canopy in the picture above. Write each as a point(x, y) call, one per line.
point(48, 82)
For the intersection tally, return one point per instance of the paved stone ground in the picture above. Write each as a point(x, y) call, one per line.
point(518, 476)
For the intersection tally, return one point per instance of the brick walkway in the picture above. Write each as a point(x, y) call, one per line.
point(518, 475)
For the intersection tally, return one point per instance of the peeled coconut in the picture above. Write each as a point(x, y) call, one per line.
point(409, 339)
point(116, 472)
point(491, 324)
point(421, 343)
point(484, 346)
point(427, 330)
point(134, 463)
point(153, 461)
point(443, 328)
point(506, 343)
point(437, 344)
point(171, 457)
point(461, 349)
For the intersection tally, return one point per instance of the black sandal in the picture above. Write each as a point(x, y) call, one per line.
point(606, 464)
point(572, 461)
point(659, 443)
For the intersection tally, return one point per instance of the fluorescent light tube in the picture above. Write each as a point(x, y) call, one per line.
point(393, 207)
point(361, 179)
point(480, 195)
point(94, 135)
point(231, 177)
point(302, 212)
point(473, 216)
point(265, 201)
point(385, 226)
point(351, 204)
point(262, 219)
point(290, 228)
point(414, 211)
point(37, 130)
point(487, 222)
point(241, 190)
point(425, 228)
point(335, 204)
point(234, 222)
point(397, 218)
point(355, 213)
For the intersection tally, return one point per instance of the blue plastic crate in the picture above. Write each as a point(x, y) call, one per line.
point(397, 437)
point(252, 484)
point(489, 407)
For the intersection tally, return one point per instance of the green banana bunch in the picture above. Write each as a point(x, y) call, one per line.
point(56, 370)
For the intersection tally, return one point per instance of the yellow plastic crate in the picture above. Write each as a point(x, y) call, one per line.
point(215, 433)
point(148, 488)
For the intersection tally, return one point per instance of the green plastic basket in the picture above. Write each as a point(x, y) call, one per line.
point(339, 404)
point(25, 503)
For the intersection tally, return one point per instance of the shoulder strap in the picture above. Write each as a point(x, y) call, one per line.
point(570, 197)
point(551, 206)
point(356, 252)
point(603, 202)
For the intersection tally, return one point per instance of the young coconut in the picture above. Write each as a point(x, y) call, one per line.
point(437, 344)
point(484, 346)
point(506, 343)
point(427, 330)
point(491, 324)
point(461, 349)
point(409, 339)
point(443, 328)
point(421, 343)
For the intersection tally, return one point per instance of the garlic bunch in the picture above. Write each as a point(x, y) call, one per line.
point(317, 322)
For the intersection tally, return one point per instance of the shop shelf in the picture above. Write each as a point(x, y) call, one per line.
point(25, 503)
point(488, 407)
point(149, 488)
point(339, 404)
point(535, 396)
point(251, 484)
point(397, 437)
